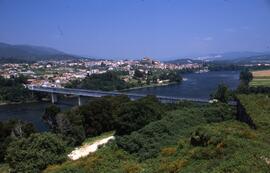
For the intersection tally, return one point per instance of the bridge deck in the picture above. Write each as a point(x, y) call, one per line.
point(97, 93)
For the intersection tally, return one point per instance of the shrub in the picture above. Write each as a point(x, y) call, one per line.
point(168, 151)
point(50, 116)
point(12, 130)
point(148, 141)
point(173, 166)
point(134, 115)
point(36, 152)
point(218, 112)
point(199, 139)
point(132, 168)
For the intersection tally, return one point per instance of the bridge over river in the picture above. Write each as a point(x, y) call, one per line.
point(97, 93)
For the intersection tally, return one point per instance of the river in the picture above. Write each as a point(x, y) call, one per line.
point(195, 85)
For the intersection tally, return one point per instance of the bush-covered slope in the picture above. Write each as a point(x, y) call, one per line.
point(188, 140)
point(147, 142)
point(258, 108)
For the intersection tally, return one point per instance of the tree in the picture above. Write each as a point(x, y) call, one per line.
point(246, 76)
point(13, 90)
point(222, 93)
point(70, 125)
point(155, 79)
point(13, 130)
point(174, 77)
point(36, 152)
point(97, 117)
point(242, 88)
point(138, 74)
point(50, 116)
point(106, 81)
point(134, 115)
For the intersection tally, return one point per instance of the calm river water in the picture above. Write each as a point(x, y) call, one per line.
point(196, 85)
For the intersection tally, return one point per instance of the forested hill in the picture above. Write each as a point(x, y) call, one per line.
point(31, 53)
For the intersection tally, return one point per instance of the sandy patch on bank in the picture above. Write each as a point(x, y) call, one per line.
point(88, 148)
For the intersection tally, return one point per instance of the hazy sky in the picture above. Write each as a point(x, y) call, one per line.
point(137, 28)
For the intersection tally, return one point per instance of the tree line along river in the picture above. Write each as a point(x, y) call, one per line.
point(194, 85)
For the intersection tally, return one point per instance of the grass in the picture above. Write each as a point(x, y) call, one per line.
point(258, 108)
point(265, 81)
point(4, 168)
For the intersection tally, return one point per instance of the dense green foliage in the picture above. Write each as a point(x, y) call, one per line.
point(98, 115)
point(88, 120)
point(12, 90)
point(188, 139)
point(246, 76)
point(10, 131)
point(36, 152)
point(102, 115)
point(152, 137)
point(132, 116)
point(163, 75)
point(50, 116)
point(259, 89)
point(222, 93)
point(224, 67)
point(147, 142)
point(112, 80)
point(106, 81)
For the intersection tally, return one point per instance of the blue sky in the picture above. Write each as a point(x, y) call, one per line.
point(136, 28)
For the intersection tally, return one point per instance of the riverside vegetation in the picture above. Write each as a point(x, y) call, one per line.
point(150, 136)
point(114, 80)
point(14, 90)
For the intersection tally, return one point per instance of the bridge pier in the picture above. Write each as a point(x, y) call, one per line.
point(79, 100)
point(54, 98)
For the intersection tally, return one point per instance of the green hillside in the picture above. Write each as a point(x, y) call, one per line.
point(193, 139)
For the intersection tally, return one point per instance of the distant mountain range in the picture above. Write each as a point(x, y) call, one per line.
point(231, 55)
point(27, 53)
point(183, 61)
point(31, 53)
point(228, 57)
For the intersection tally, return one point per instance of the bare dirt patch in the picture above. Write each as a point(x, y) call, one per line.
point(88, 148)
point(262, 73)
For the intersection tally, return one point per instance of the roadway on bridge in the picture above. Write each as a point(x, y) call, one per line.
point(98, 93)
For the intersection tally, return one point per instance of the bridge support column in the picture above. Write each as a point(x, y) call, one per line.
point(79, 101)
point(54, 98)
